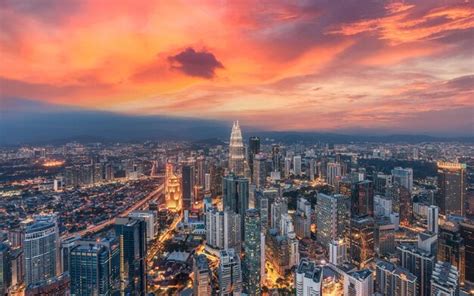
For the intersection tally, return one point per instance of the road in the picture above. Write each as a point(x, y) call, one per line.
point(158, 245)
point(106, 223)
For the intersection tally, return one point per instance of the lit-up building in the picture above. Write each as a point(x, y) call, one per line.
point(202, 276)
point(361, 241)
point(236, 151)
point(308, 278)
point(467, 233)
point(229, 273)
point(452, 188)
point(362, 200)
point(172, 189)
point(252, 253)
point(420, 263)
point(451, 248)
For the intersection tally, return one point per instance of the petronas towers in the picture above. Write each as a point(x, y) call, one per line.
point(236, 151)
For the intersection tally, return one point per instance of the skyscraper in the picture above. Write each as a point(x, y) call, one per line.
point(404, 177)
point(229, 273)
point(451, 248)
point(187, 185)
point(200, 170)
point(433, 216)
point(132, 237)
point(308, 278)
point(236, 195)
point(359, 283)
point(467, 233)
point(41, 249)
point(401, 203)
point(451, 188)
point(259, 170)
point(276, 158)
point(332, 217)
point(392, 280)
point(337, 252)
point(252, 253)
point(362, 201)
point(202, 276)
point(420, 263)
point(333, 173)
point(90, 270)
point(254, 149)
point(361, 241)
point(223, 229)
point(236, 151)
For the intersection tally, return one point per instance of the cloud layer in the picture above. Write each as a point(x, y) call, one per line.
point(310, 65)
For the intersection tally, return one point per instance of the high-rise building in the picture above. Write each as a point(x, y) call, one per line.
point(404, 177)
point(254, 149)
point(252, 253)
point(358, 283)
point(5, 269)
point(384, 237)
point(451, 248)
point(90, 270)
point(41, 250)
point(331, 217)
point(259, 170)
point(361, 241)
point(172, 189)
point(66, 246)
point(236, 195)
point(362, 200)
point(303, 219)
point(420, 263)
point(236, 151)
point(287, 166)
point(308, 278)
point(297, 165)
point(337, 252)
point(149, 218)
point(467, 233)
point(333, 173)
point(444, 280)
point(392, 280)
point(276, 158)
point(229, 273)
point(452, 188)
point(223, 229)
point(277, 209)
point(200, 171)
point(187, 185)
point(401, 203)
point(263, 205)
point(202, 276)
point(433, 216)
point(131, 234)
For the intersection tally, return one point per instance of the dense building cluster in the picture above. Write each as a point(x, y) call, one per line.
point(257, 217)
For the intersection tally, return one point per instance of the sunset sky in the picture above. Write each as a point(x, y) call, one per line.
point(325, 65)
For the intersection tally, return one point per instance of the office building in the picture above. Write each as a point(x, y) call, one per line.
point(362, 199)
point(276, 158)
point(308, 278)
point(236, 196)
point(451, 248)
point(384, 237)
point(187, 185)
point(403, 177)
point(401, 203)
point(297, 165)
point(229, 273)
point(420, 263)
point(254, 149)
point(452, 186)
point(66, 246)
point(432, 219)
point(202, 276)
point(200, 171)
point(223, 229)
point(131, 234)
point(236, 151)
point(277, 209)
point(259, 170)
point(149, 218)
point(444, 281)
point(358, 283)
point(392, 280)
point(252, 253)
point(41, 250)
point(361, 241)
point(5, 269)
point(262, 204)
point(90, 270)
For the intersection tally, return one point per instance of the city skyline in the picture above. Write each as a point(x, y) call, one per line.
point(392, 67)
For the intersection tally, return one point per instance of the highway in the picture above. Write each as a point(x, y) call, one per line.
point(158, 245)
point(96, 228)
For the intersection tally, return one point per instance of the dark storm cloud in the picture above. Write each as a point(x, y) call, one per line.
point(196, 63)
